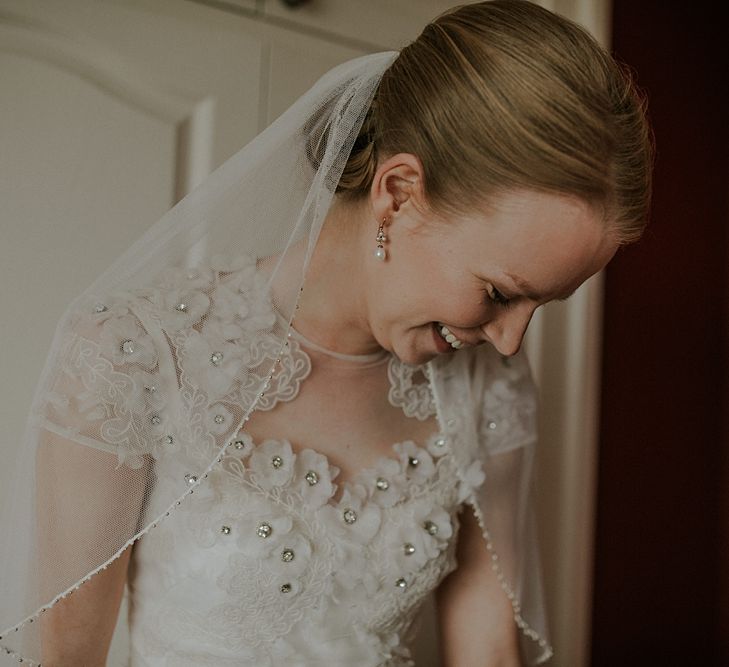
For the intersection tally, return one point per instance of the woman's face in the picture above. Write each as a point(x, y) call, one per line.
point(482, 277)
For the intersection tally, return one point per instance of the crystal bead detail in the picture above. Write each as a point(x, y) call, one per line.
point(277, 461)
point(156, 420)
point(491, 425)
point(401, 584)
point(100, 308)
point(285, 588)
point(169, 440)
point(431, 528)
point(287, 555)
point(239, 444)
point(218, 419)
point(191, 479)
point(413, 462)
point(440, 442)
point(264, 530)
point(225, 530)
point(216, 358)
point(181, 307)
point(127, 346)
point(312, 478)
point(408, 548)
point(350, 516)
point(382, 484)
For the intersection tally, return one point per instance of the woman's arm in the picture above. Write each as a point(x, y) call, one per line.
point(88, 508)
point(476, 620)
point(78, 629)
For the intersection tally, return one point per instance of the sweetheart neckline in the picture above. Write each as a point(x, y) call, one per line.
point(437, 438)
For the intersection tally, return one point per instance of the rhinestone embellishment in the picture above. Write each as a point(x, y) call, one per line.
point(225, 530)
point(491, 425)
point(181, 307)
point(218, 419)
point(277, 461)
point(191, 479)
point(312, 478)
point(155, 419)
point(382, 484)
point(216, 358)
point(413, 461)
point(127, 346)
point(431, 528)
point(401, 584)
point(239, 444)
point(264, 530)
point(440, 442)
point(100, 308)
point(169, 440)
point(350, 516)
point(287, 555)
point(285, 588)
point(408, 548)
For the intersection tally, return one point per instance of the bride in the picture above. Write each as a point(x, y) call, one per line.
point(298, 405)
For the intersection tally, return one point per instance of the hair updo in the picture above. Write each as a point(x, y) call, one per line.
point(504, 94)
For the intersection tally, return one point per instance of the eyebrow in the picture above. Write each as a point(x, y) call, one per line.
point(529, 291)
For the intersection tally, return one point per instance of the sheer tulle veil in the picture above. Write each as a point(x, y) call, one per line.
point(85, 468)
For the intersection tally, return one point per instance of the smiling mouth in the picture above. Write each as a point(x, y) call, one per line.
point(448, 336)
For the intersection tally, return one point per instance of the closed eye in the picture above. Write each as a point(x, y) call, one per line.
point(494, 296)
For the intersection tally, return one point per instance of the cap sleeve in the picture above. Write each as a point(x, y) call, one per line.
point(108, 392)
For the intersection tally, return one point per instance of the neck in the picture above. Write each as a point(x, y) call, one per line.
point(333, 306)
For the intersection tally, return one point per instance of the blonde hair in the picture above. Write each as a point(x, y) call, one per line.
point(501, 95)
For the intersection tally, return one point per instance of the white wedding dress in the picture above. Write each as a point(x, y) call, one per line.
point(262, 566)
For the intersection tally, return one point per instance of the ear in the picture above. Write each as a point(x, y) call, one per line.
point(398, 184)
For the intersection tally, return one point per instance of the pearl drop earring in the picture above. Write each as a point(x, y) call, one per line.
point(380, 252)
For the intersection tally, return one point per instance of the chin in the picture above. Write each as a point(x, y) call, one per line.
point(405, 348)
point(412, 357)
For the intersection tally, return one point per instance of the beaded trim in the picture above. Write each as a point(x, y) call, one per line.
point(516, 607)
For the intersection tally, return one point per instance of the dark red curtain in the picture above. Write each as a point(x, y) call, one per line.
point(662, 543)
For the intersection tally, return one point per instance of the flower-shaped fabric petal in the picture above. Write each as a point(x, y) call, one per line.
point(436, 525)
point(212, 362)
point(181, 308)
point(408, 546)
point(292, 555)
point(437, 445)
point(353, 519)
point(313, 478)
point(272, 463)
point(262, 534)
point(124, 341)
point(416, 461)
point(385, 482)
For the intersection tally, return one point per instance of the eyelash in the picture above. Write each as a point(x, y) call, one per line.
point(497, 297)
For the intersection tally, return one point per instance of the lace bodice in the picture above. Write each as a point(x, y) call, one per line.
point(263, 568)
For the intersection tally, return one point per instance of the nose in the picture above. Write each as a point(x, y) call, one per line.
point(506, 333)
